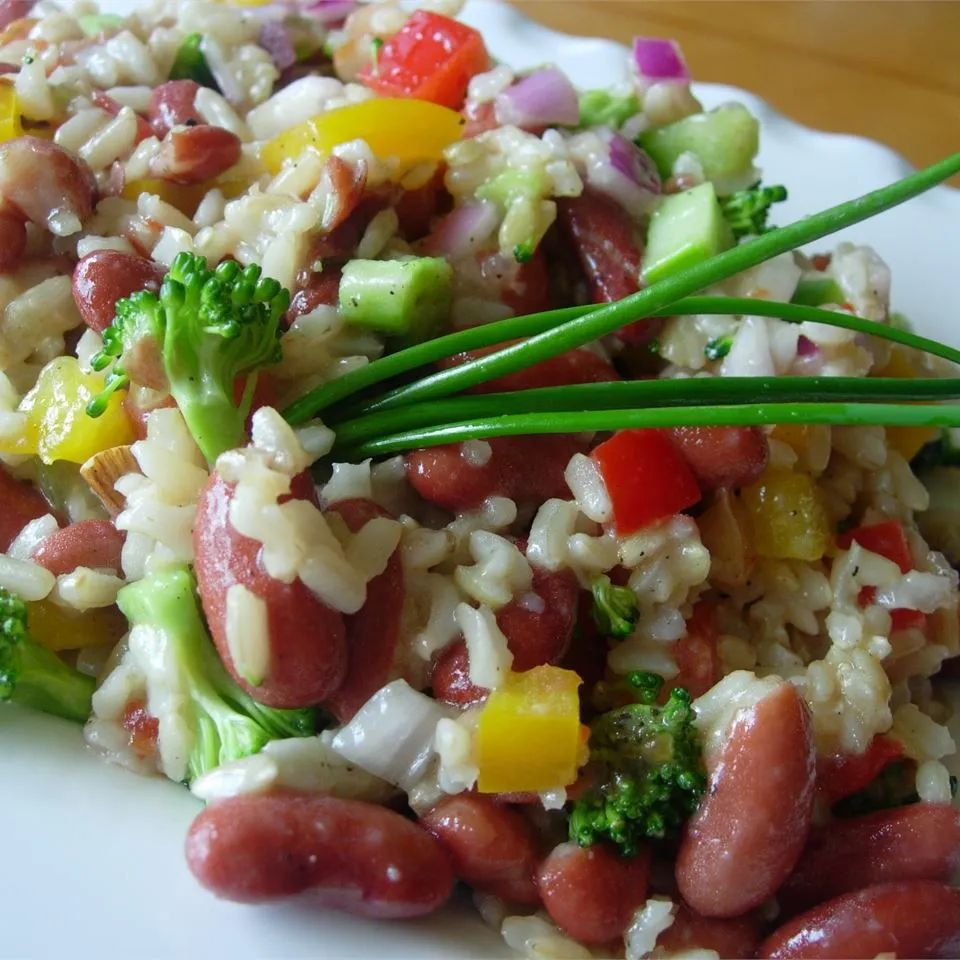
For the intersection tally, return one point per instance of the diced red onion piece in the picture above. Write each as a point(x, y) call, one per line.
point(806, 347)
point(659, 59)
point(634, 163)
point(542, 99)
point(462, 231)
point(275, 39)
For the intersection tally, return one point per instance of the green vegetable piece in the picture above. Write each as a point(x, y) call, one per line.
point(816, 291)
point(718, 347)
point(686, 229)
point(191, 64)
point(725, 141)
point(601, 108)
point(34, 676)
point(651, 774)
point(212, 329)
point(615, 609)
point(93, 24)
point(226, 723)
point(511, 185)
point(747, 210)
point(408, 299)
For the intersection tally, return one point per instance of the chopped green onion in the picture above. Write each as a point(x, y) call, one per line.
point(622, 394)
point(521, 424)
point(606, 319)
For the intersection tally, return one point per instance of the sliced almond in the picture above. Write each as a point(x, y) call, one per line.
point(103, 470)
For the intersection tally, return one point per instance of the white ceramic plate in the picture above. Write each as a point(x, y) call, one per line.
point(92, 861)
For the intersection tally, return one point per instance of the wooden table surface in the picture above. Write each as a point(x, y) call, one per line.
point(886, 70)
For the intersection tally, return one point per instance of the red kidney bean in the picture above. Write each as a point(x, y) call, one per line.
point(696, 654)
point(103, 277)
point(106, 102)
point(172, 104)
point(591, 893)
point(11, 10)
point(308, 655)
point(528, 290)
point(731, 939)
point(322, 290)
point(195, 154)
point(607, 246)
point(917, 842)
point(40, 179)
point(915, 919)
point(374, 631)
point(346, 854)
point(526, 469)
point(722, 456)
point(416, 209)
point(21, 504)
point(534, 637)
point(754, 820)
point(493, 847)
point(574, 366)
point(88, 543)
point(844, 774)
point(143, 729)
point(13, 240)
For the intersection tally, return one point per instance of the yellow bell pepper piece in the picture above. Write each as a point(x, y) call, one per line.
point(788, 516)
point(57, 629)
point(528, 736)
point(57, 426)
point(10, 126)
point(907, 441)
point(412, 131)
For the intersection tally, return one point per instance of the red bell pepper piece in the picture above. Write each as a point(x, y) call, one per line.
point(886, 538)
point(646, 478)
point(844, 774)
point(431, 58)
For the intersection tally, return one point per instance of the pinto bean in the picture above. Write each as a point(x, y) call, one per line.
point(21, 503)
point(526, 469)
point(195, 154)
point(345, 185)
point(13, 240)
point(374, 631)
point(346, 854)
point(172, 104)
point(493, 847)
point(753, 822)
point(722, 456)
point(105, 102)
point(917, 842)
point(322, 290)
point(591, 893)
point(87, 543)
point(919, 918)
point(44, 182)
point(534, 636)
point(308, 655)
point(103, 277)
point(731, 939)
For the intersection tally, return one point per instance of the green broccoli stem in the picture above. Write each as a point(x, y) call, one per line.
point(46, 683)
point(215, 421)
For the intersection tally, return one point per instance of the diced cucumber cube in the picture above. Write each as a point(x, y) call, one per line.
point(601, 108)
point(93, 24)
point(816, 291)
point(724, 140)
point(685, 229)
point(401, 298)
point(519, 184)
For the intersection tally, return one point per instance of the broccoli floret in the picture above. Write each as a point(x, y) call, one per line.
point(226, 723)
point(747, 210)
point(615, 609)
point(651, 774)
point(191, 64)
point(34, 676)
point(212, 328)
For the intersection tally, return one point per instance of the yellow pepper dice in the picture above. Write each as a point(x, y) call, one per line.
point(907, 441)
point(56, 425)
point(58, 629)
point(788, 517)
point(528, 737)
point(10, 126)
point(412, 131)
